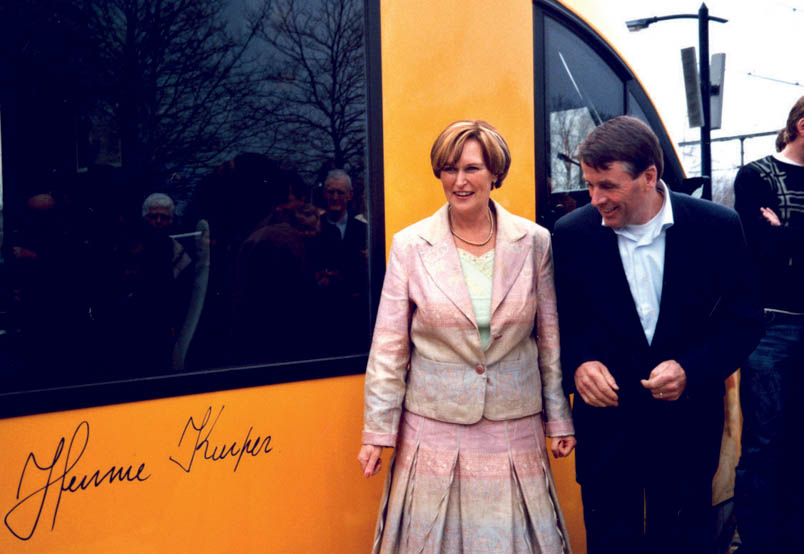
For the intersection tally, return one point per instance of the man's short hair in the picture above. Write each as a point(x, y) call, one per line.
point(448, 147)
point(158, 200)
point(623, 139)
point(338, 175)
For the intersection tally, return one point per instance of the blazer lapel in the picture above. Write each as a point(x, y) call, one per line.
point(673, 280)
point(510, 253)
point(440, 259)
point(611, 278)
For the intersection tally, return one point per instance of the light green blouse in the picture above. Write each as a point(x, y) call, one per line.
point(479, 273)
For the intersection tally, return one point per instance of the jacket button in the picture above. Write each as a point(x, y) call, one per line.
point(479, 369)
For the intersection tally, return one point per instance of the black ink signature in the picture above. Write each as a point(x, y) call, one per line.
point(74, 484)
point(202, 432)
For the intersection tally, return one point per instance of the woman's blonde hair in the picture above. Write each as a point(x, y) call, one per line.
point(448, 147)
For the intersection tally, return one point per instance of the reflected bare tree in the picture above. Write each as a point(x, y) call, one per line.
point(569, 125)
point(178, 81)
point(317, 98)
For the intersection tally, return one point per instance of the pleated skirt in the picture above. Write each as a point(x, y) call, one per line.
point(485, 487)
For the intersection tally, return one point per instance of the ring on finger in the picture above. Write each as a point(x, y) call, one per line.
point(661, 394)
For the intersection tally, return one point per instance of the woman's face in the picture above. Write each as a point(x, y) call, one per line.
point(467, 184)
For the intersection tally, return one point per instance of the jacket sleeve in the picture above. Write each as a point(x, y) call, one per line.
point(576, 347)
point(556, 404)
point(389, 355)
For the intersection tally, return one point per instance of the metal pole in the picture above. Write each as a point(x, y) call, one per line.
point(706, 97)
point(742, 151)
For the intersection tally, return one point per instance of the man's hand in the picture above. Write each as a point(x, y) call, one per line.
point(596, 385)
point(667, 381)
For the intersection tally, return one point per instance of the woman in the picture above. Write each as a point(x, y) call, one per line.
point(462, 291)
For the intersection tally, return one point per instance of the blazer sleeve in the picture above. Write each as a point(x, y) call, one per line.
point(556, 404)
point(576, 347)
point(389, 355)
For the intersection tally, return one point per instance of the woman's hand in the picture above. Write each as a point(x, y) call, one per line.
point(562, 446)
point(369, 458)
point(770, 216)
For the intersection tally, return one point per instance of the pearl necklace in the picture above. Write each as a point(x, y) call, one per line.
point(491, 229)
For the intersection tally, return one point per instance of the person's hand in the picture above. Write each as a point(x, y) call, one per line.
point(596, 385)
point(562, 446)
point(771, 217)
point(369, 458)
point(667, 381)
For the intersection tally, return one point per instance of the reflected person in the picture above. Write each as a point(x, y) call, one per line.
point(48, 274)
point(344, 275)
point(158, 212)
point(276, 296)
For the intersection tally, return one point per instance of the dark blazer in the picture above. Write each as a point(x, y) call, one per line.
point(709, 321)
point(344, 307)
point(346, 255)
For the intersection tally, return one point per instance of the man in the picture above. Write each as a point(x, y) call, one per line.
point(656, 309)
point(351, 232)
point(158, 210)
point(344, 277)
point(769, 196)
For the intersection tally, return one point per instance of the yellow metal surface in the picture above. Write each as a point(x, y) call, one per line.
point(450, 60)
point(175, 487)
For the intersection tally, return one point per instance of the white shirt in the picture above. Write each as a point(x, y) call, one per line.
point(341, 223)
point(642, 253)
point(785, 159)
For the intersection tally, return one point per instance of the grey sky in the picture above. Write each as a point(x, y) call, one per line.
point(760, 37)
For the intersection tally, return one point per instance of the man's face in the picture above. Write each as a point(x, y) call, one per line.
point(621, 199)
point(158, 218)
point(338, 195)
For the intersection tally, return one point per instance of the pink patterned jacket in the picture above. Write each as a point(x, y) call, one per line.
point(426, 351)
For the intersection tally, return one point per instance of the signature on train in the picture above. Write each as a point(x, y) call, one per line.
point(45, 478)
point(56, 474)
point(198, 440)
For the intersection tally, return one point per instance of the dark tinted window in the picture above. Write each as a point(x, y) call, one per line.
point(183, 186)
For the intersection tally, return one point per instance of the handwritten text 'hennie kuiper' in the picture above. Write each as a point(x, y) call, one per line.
point(58, 473)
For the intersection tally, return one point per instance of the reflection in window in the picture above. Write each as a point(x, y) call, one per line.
point(582, 91)
point(184, 186)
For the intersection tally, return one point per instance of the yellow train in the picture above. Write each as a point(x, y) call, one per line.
point(185, 375)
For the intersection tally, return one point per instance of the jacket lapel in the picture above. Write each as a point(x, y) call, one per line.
point(611, 278)
point(673, 280)
point(440, 259)
point(510, 253)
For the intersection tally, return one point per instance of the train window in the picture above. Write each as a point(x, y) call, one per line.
point(183, 187)
point(635, 109)
point(581, 91)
